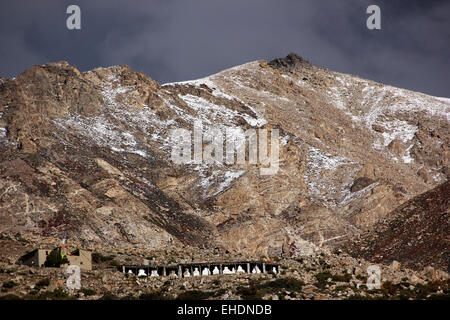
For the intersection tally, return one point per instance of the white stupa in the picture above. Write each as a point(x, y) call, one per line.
point(206, 272)
point(256, 270)
point(154, 273)
point(142, 273)
point(216, 270)
point(226, 271)
point(196, 272)
point(240, 270)
point(186, 273)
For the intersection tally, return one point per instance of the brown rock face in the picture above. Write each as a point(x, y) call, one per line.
point(416, 233)
point(89, 154)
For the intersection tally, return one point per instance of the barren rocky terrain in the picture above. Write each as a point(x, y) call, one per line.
point(416, 233)
point(87, 154)
point(320, 275)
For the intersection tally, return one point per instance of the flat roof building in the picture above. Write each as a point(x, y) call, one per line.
point(37, 257)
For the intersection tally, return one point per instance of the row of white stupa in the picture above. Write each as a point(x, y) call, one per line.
point(196, 272)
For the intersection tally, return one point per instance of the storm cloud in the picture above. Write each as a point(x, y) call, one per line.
point(180, 40)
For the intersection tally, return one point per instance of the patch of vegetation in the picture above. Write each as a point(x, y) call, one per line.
point(290, 284)
point(98, 257)
point(88, 291)
point(195, 295)
point(424, 290)
point(405, 294)
point(341, 288)
point(21, 239)
point(346, 277)
point(427, 291)
point(220, 292)
point(323, 277)
point(108, 296)
point(42, 283)
point(257, 290)
point(57, 294)
point(55, 259)
point(442, 296)
point(156, 295)
point(362, 278)
point(363, 287)
point(249, 293)
point(9, 284)
point(114, 264)
point(389, 288)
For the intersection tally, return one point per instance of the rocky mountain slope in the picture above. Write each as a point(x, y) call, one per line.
point(88, 154)
point(416, 233)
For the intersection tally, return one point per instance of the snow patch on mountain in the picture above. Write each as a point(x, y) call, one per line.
point(321, 167)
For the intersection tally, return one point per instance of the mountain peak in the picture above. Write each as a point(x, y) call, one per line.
point(291, 62)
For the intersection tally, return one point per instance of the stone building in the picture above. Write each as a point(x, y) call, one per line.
point(37, 257)
point(81, 258)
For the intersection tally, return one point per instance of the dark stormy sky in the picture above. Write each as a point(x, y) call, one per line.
point(180, 40)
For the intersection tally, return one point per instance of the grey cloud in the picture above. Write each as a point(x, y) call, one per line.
point(180, 40)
